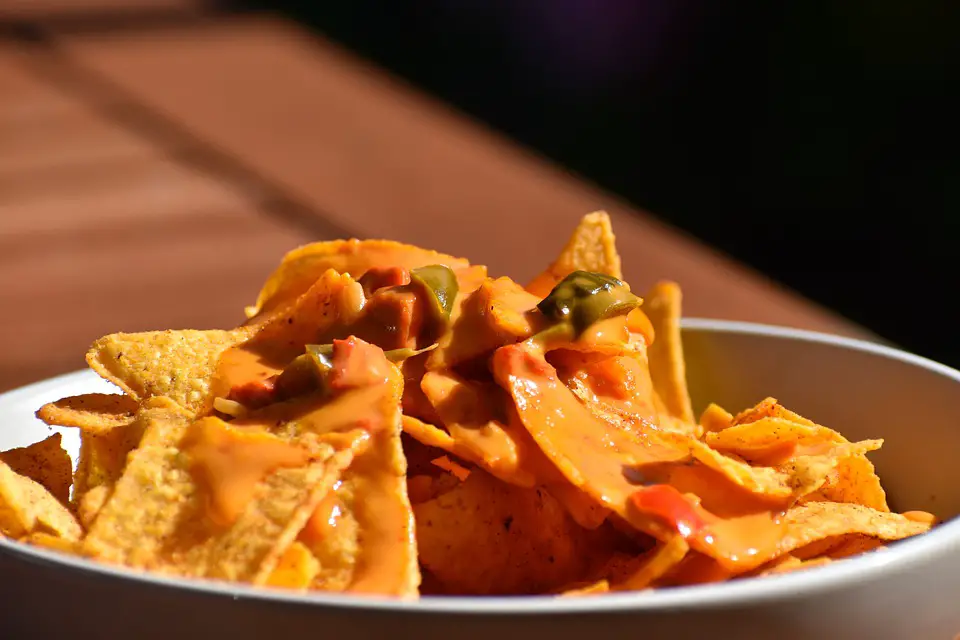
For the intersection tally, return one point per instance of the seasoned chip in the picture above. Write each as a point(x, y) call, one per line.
point(44, 462)
point(592, 247)
point(213, 517)
point(103, 455)
point(798, 476)
point(715, 418)
point(53, 542)
point(499, 312)
point(769, 408)
point(655, 564)
point(488, 537)
point(174, 364)
point(92, 412)
point(363, 534)
point(667, 368)
point(816, 521)
point(296, 568)
point(590, 589)
point(468, 410)
point(770, 437)
point(26, 507)
point(854, 480)
point(303, 266)
point(789, 563)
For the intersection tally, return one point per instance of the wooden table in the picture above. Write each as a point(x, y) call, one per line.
point(155, 166)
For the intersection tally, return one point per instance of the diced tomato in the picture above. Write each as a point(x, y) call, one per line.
point(377, 278)
point(668, 504)
point(357, 364)
point(254, 394)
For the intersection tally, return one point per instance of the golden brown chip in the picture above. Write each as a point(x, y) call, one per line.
point(27, 507)
point(499, 312)
point(178, 365)
point(592, 247)
point(769, 408)
point(217, 520)
point(667, 368)
point(91, 412)
point(296, 568)
point(44, 462)
point(789, 563)
point(488, 537)
point(765, 436)
point(818, 521)
point(363, 534)
point(90, 502)
point(470, 412)
point(715, 418)
point(656, 563)
point(103, 455)
point(854, 545)
point(303, 266)
point(591, 589)
point(854, 480)
point(53, 542)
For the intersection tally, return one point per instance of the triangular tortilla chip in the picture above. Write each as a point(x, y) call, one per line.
point(363, 533)
point(303, 266)
point(817, 521)
point(667, 367)
point(91, 412)
point(46, 463)
point(171, 531)
point(27, 507)
point(174, 364)
point(296, 568)
point(103, 454)
point(591, 247)
point(488, 537)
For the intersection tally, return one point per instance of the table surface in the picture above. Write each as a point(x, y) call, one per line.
point(158, 158)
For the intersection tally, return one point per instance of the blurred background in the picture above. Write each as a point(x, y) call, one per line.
point(814, 142)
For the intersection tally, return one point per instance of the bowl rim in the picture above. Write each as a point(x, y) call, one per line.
point(735, 594)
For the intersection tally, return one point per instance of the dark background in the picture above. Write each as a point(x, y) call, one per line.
point(815, 141)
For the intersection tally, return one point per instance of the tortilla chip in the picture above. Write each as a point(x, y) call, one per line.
point(296, 569)
point(764, 437)
point(855, 480)
point(468, 410)
point(499, 312)
point(769, 408)
point(303, 266)
point(174, 364)
point(592, 247)
point(656, 564)
point(27, 507)
point(816, 521)
point(789, 563)
point(92, 412)
point(427, 434)
point(171, 530)
point(46, 463)
point(715, 418)
point(103, 455)
point(88, 505)
point(855, 545)
point(591, 589)
point(363, 534)
point(667, 368)
point(53, 542)
point(488, 537)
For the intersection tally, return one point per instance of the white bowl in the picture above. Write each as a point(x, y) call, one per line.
point(912, 590)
